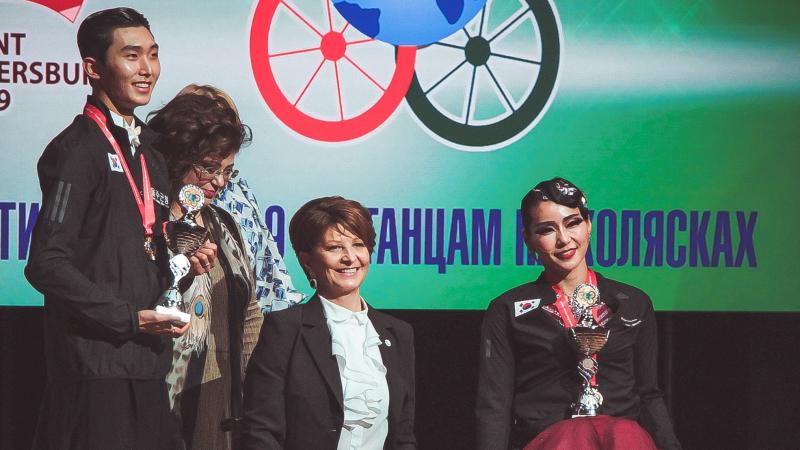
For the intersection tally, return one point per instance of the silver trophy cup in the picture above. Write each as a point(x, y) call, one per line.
point(184, 236)
point(589, 340)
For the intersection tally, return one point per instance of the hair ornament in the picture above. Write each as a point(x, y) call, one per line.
point(565, 189)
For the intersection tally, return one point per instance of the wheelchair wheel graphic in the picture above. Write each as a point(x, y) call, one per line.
point(486, 86)
point(320, 76)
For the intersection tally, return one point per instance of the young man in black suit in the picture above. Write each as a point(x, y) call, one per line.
point(98, 256)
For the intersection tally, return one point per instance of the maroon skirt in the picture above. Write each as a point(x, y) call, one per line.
point(593, 433)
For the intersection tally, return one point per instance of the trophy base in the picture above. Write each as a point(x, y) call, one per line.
point(589, 404)
point(174, 314)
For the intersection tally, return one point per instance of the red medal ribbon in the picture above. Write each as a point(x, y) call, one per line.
point(562, 302)
point(567, 317)
point(146, 206)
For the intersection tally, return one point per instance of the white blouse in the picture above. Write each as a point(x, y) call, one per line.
point(366, 393)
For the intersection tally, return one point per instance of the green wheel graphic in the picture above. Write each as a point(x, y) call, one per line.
point(531, 53)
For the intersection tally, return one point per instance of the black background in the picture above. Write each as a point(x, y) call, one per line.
point(731, 380)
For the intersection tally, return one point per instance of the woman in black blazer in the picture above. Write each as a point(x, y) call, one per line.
point(331, 373)
point(530, 394)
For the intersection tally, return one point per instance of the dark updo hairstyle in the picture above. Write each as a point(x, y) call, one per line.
point(557, 190)
point(193, 127)
point(96, 32)
point(313, 219)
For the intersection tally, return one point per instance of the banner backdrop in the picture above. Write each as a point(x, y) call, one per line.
point(678, 119)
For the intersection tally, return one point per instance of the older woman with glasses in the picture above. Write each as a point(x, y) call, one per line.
point(200, 138)
point(274, 287)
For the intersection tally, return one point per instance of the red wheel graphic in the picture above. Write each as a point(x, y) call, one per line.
point(330, 47)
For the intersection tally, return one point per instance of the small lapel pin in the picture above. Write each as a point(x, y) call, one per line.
point(387, 342)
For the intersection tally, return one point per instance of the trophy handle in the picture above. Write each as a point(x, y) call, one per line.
point(180, 266)
point(171, 302)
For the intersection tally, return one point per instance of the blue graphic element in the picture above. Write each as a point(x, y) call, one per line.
point(451, 9)
point(274, 289)
point(366, 20)
point(198, 309)
point(401, 22)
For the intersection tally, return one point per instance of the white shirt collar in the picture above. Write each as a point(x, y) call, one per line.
point(132, 129)
point(339, 314)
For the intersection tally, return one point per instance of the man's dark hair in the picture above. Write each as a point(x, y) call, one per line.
point(97, 31)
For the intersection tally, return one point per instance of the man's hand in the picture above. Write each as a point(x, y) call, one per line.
point(203, 259)
point(151, 322)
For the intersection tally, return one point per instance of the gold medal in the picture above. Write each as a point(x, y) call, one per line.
point(586, 295)
point(191, 198)
point(149, 248)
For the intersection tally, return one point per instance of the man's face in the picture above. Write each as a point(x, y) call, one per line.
point(130, 70)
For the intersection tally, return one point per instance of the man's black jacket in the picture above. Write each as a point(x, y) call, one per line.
point(87, 255)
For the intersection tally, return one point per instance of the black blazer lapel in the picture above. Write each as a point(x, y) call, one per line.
point(389, 348)
point(317, 339)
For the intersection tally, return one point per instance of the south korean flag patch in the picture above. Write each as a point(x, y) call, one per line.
point(114, 163)
point(525, 306)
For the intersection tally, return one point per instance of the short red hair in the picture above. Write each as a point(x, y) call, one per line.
point(313, 219)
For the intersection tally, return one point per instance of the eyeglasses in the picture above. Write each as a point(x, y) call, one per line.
point(207, 173)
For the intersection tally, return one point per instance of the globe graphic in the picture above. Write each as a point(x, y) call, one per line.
point(408, 22)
